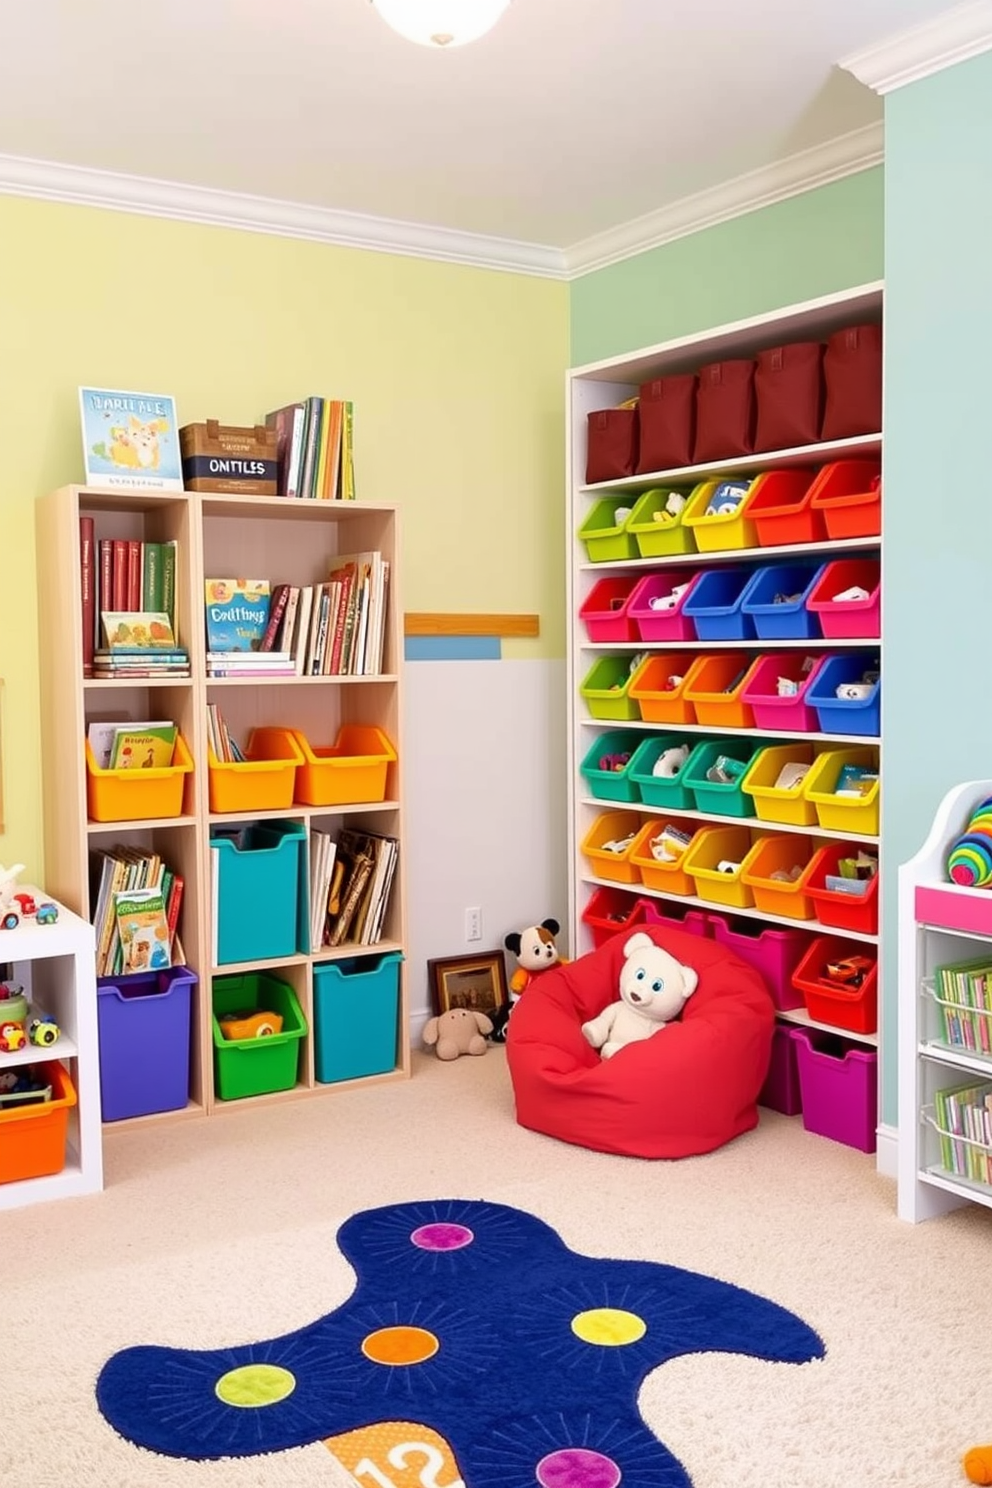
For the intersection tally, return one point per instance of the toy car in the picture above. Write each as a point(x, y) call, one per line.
point(27, 904)
point(44, 1032)
point(12, 1037)
point(11, 919)
point(47, 914)
point(850, 971)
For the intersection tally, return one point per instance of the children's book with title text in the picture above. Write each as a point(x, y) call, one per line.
point(237, 612)
point(130, 439)
point(143, 927)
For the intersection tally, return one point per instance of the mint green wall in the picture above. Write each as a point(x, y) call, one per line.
point(814, 244)
point(937, 585)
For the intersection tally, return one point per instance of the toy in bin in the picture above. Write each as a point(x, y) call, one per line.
point(849, 971)
point(727, 498)
point(250, 1025)
point(22, 1088)
point(969, 862)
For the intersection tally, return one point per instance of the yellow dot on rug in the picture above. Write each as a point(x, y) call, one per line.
point(402, 1345)
point(609, 1326)
point(255, 1385)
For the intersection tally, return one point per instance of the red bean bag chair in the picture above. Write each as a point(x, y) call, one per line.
point(687, 1089)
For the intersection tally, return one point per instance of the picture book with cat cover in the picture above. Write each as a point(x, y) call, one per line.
point(237, 612)
point(130, 439)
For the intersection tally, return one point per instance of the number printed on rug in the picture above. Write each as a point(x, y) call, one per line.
point(396, 1454)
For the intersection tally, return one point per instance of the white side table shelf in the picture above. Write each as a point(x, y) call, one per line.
point(55, 965)
point(940, 923)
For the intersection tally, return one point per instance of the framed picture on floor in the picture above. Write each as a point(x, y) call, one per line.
point(477, 982)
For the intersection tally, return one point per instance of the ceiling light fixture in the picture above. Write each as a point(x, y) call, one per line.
point(441, 23)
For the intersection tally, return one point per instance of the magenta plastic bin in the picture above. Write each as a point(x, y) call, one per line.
point(605, 610)
point(781, 1091)
point(771, 711)
point(839, 1087)
point(677, 916)
point(663, 625)
point(775, 953)
point(860, 619)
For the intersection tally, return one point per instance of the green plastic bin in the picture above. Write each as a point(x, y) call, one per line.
point(672, 791)
point(605, 689)
point(611, 785)
point(258, 1066)
point(607, 539)
point(722, 799)
point(659, 539)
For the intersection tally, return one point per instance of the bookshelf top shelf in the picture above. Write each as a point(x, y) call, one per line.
point(291, 507)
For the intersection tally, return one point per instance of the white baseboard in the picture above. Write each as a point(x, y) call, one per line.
point(887, 1151)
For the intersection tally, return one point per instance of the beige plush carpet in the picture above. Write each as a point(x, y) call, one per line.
point(217, 1232)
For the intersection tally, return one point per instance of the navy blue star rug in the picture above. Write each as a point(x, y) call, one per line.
point(476, 1351)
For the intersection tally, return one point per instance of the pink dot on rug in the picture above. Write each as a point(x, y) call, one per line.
point(442, 1236)
point(577, 1467)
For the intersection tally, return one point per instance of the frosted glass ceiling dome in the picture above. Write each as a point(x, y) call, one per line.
point(441, 23)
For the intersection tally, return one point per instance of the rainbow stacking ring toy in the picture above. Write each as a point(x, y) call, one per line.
point(970, 860)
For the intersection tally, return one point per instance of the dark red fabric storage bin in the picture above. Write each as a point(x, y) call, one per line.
point(789, 392)
point(611, 452)
point(667, 417)
point(852, 367)
point(724, 411)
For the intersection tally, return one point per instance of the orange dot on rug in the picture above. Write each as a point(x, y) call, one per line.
point(400, 1345)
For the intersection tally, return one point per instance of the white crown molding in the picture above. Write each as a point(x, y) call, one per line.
point(849, 153)
point(909, 56)
point(49, 181)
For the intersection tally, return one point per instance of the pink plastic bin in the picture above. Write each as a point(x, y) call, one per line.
point(781, 1091)
point(859, 618)
point(839, 1087)
point(605, 610)
point(774, 952)
point(774, 712)
point(678, 916)
point(662, 625)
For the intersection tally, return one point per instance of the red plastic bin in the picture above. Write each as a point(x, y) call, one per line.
point(611, 911)
point(859, 618)
point(772, 711)
point(779, 504)
point(848, 495)
point(604, 612)
point(662, 625)
point(854, 1009)
point(857, 912)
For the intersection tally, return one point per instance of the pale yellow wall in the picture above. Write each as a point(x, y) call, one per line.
point(457, 375)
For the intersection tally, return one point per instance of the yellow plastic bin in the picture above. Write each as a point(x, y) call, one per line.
point(670, 878)
point(714, 845)
point(265, 781)
point(656, 539)
point(657, 688)
point(771, 855)
point(776, 803)
point(844, 813)
point(137, 795)
point(351, 770)
point(722, 533)
point(606, 689)
point(612, 826)
point(606, 535)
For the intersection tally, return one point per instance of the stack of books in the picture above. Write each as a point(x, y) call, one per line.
point(122, 576)
point(139, 643)
point(137, 899)
point(315, 449)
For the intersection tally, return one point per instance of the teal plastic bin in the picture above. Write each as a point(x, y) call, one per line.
point(355, 1014)
point(258, 891)
point(661, 790)
point(608, 784)
point(722, 798)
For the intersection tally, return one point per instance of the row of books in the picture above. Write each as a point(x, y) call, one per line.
point(137, 899)
point(122, 575)
point(963, 993)
point(225, 747)
point(336, 628)
point(965, 1111)
point(315, 449)
point(351, 877)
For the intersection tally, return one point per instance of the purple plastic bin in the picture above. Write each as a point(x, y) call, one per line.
point(662, 625)
point(144, 1027)
point(781, 1091)
point(775, 953)
point(679, 917)
point(793, 714)
point(839, 1085)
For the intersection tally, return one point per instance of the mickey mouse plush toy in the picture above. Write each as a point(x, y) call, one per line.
point(536, 951)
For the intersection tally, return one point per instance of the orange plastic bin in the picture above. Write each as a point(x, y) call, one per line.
point(33, 1137)
point(781, 509)
point(265, 781)
point(351, 770)
point(658, 687)
point(778, 896)
point(137, 795)
point(848, 495)
point(670, 877)
point(715, 687)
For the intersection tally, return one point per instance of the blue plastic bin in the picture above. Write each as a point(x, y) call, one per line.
point(356, 1011)
point(144, 1029)
point(258, 892)
point(714, 606)
point(783, 622)
point(846, 715)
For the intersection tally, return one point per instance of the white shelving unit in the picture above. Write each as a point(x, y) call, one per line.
point(939, 923)
point(54, 964)
point(606, 384)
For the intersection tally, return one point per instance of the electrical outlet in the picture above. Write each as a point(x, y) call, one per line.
point(473, 924)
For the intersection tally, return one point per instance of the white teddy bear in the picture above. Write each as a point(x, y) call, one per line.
point(653, 990)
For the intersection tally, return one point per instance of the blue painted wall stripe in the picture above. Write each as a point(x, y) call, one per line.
point(453, 648)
